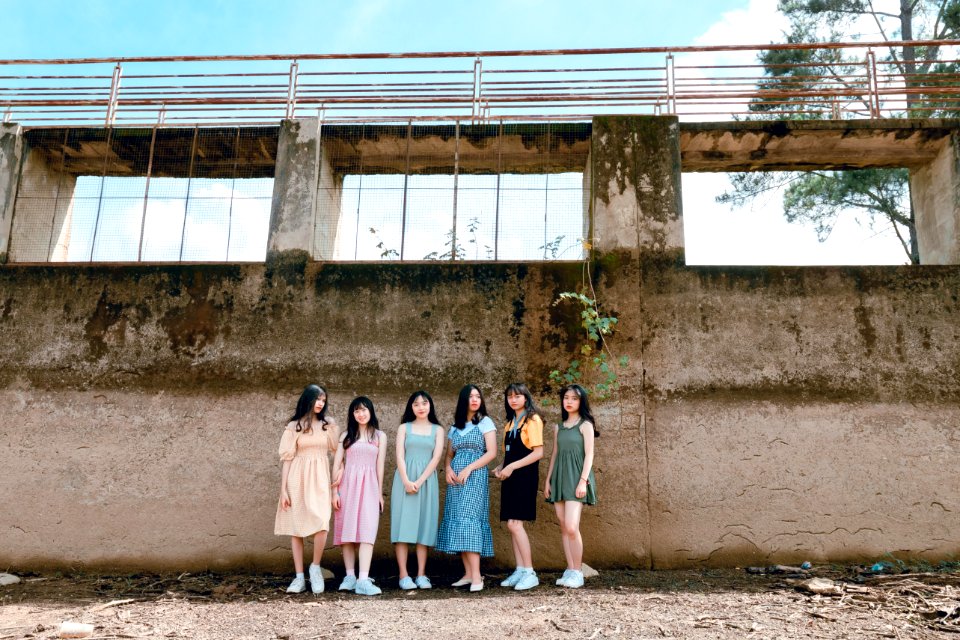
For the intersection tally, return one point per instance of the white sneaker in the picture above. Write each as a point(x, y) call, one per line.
point(299, 585)
point(423, 582)
point(513, 578)
point(562, 580)
point(528, 581)
point(366, 587)
point(407, 583)
point(316, 578)
point(349, 583)
point(575, 581)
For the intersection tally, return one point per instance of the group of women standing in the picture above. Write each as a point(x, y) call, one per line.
point(354, 489)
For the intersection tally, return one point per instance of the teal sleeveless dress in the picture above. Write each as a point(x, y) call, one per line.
point(414, 517)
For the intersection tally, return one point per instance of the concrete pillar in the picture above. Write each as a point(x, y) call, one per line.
point(635, 169)
point(306, 193)
point(41, 228)
point(11, 153)
point(935, 192)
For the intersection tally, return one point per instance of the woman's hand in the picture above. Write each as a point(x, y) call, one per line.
point(336, 501)
point(546, 489)
point(506, 472)
point(338, 476)
point(410, 487)
point(496, 472)
point(381, 503)
point(581, 491)
point(284, 499)
point(451, 476)
point(463, 475)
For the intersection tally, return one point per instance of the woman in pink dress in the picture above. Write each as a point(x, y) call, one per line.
point(358, 495)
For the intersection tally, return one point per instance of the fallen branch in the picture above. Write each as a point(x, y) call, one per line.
point(112, 603)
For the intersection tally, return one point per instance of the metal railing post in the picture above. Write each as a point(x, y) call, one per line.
point(477, 73)
point(8, 115)
point(671, 85)
point(872, 85)
point(114, 94)
point(292, 90)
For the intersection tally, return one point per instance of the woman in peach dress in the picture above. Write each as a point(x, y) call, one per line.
point(304, 506)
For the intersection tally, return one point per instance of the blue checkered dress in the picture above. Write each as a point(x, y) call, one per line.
point(466, 510)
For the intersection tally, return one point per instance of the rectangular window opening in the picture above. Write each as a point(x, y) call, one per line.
point(452, 192)
point(144, 195)
point(796, 217)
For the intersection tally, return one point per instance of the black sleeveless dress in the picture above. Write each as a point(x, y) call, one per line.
point(518, 493)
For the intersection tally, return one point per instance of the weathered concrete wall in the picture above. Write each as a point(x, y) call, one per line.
point(767, 414)
point(801, 413)
point(782, 412)
point(144, 407)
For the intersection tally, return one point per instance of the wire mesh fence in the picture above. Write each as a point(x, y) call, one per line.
point(501, 191)
point(153, 195)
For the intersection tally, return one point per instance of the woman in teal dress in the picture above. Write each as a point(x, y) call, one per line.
point(415, 497)
point(570, 483)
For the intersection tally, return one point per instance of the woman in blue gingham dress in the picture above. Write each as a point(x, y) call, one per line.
point(465, 528)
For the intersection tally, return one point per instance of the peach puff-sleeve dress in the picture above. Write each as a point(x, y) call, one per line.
point(308, 480)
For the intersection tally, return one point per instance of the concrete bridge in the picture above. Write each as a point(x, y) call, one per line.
point(767, 414)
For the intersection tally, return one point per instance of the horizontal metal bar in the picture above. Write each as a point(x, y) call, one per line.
point(486, 54)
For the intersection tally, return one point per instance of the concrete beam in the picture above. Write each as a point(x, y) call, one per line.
point(11, 153)
point(635, 172)
point(935, 194)
point(806, 145)
point(483, 149)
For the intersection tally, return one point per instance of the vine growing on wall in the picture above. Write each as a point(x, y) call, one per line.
point(593, 364)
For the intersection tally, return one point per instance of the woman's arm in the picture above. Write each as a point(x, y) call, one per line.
point(334, 440)
point(530, 458)
point(402, 460)
point(553, 461)
point(434, 461)
point(381, 456)
point(586, 430)
point(448, 466)
point(284, 495)
point(338, 471)
point(490, 441)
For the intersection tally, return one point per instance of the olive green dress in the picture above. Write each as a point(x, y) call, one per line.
point(569, 467)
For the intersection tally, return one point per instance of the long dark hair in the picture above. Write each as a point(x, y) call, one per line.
point(463, 407)
point(518, 388)
point(353, 427)
point(303, 415)
point(584, 406)
point(410, 416)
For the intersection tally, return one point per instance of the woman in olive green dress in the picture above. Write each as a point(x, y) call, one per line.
point(570, 482)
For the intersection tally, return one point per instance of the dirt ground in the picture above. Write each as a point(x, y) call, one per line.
point(617, 604)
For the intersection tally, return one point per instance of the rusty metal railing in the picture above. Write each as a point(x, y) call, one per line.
point(692, 82)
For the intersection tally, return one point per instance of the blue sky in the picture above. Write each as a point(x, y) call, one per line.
point(759, 235)
point(81, 28)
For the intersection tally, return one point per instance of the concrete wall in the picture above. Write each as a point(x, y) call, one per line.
point(767, 414)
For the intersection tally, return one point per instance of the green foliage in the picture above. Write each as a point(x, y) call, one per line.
point(593, 350)
point(552, 249)
point(385, 252)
